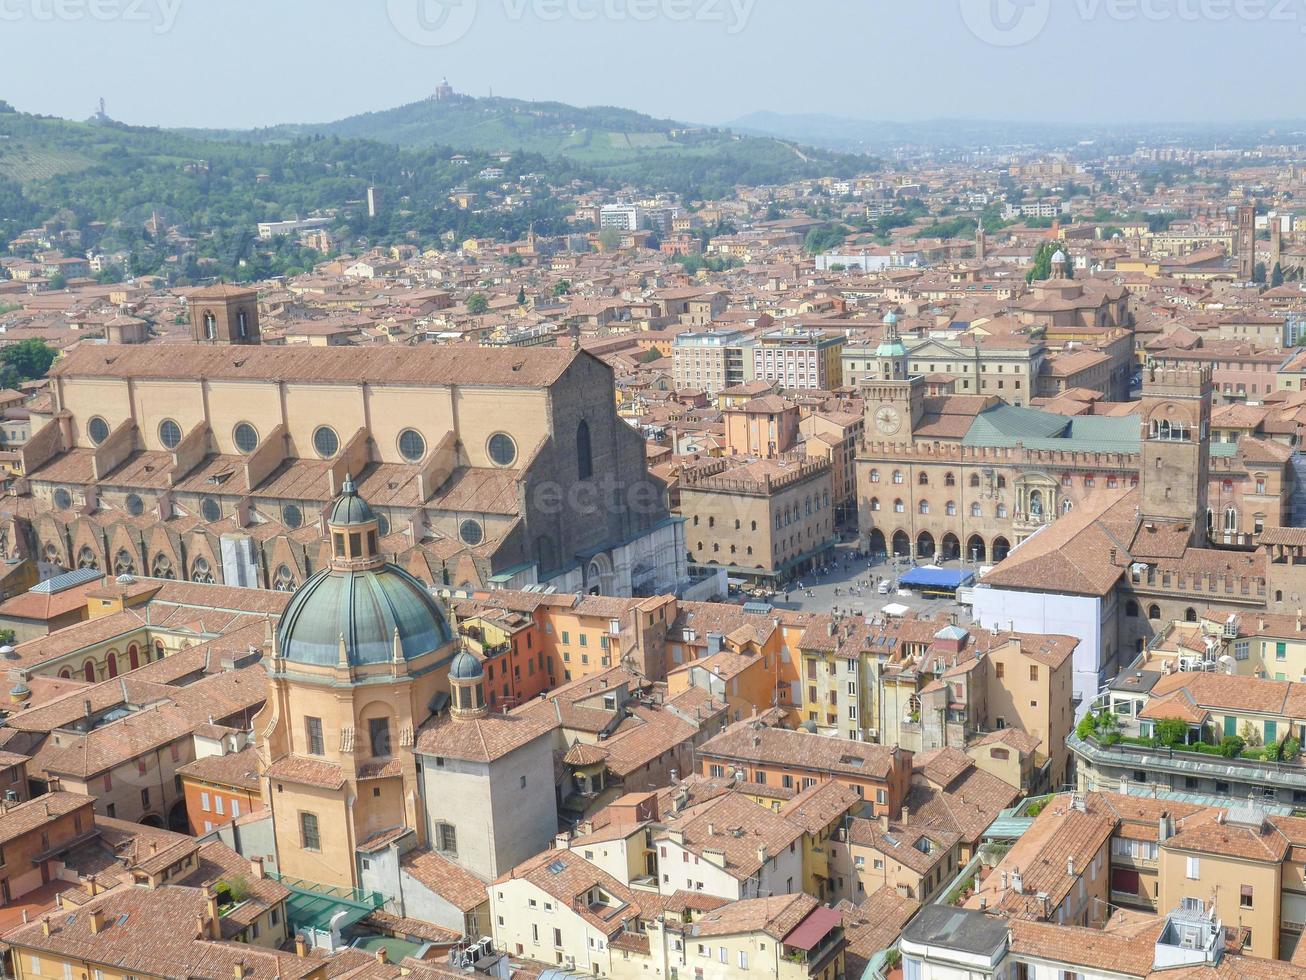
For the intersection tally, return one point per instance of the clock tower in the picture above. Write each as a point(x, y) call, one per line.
point(894, 399)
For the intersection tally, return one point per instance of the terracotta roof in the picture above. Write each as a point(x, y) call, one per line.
point(426, 364)
point(482, 739)
point(746, 742)
point(456, 885)
point(307, 772)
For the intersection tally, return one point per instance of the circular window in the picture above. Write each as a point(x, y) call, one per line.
point(135, 506)
point(211, 510)
point(62, 499)
point(471, 533)
point(169, 434)
point(412, 446)
point(502, 449)
point(292, 516)
point(326, 442)
point(98, 430)
point(245, 437)
point(382, 525)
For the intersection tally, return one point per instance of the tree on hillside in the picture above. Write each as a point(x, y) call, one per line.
point(477, 304)
point(1276, 277)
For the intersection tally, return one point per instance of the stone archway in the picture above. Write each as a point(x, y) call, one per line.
point(925, 545)
point(976, 549)
point(1001, 548)
point(901, 544)
point(178, 821)
point(154, 820)
point(598, 576)
point(950, 547)
point(876, 544)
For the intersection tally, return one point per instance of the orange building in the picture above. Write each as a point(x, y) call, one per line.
point(799, 760)
point(219, 788)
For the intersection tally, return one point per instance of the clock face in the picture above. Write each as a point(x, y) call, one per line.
point(887, 420)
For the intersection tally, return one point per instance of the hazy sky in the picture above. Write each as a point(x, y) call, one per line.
point(257, 62)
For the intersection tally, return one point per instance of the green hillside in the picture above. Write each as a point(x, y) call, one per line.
point(615, 143)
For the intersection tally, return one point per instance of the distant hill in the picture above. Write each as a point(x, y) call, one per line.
point(611, 142)
point(209, 188)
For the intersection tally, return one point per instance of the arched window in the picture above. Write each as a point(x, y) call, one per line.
point(201, 572)
point(210, 325)
point(1002, 510)
point(134, 656)
point(283, 580)
point(1190, 615)
point(584, 455)
point(950, 508)
point(162, 567)
point(1153, 611)
point(974, 480)
point(875, 504)
point(111, 664)
point(242, 324)
point(1002, 483)
point(123, 564)
point(1231, 520)
point(949, 480)
point(924, 479)
point(88, 670)
point(875, 476)
point(924, 506)
point(86, 558)
point(975, 510)
point(897, 476)
point(898, 507)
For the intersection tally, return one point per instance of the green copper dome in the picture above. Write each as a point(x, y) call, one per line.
point(366, 608)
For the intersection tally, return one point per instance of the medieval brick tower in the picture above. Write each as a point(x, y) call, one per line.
point(224, 315)
point(1176, 414)
point(1246, 242)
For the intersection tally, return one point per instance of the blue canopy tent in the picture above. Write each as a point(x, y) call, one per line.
point(931, 579)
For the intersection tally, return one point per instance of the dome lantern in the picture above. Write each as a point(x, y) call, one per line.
point(354, 530)
point(360, 611)
point(467, 687)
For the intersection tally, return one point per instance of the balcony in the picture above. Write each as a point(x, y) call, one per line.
point(1189, 761)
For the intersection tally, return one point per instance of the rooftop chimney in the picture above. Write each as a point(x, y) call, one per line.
point(97, 922)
